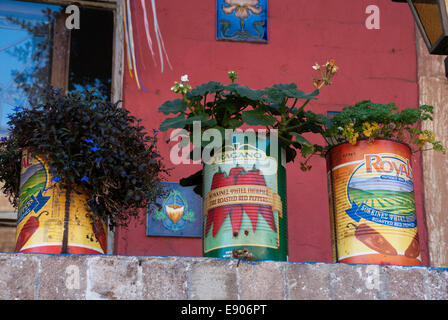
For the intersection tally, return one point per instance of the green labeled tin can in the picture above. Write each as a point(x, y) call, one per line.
point(245, 200)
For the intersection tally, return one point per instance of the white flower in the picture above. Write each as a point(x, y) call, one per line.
point(184, 78)
point(316, 66)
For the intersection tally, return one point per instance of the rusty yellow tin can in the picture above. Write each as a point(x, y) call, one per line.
point(372, 203)
point(44, 225)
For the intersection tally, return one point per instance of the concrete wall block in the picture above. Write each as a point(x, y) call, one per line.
point(113, 277)
point(211, 279)
point(404, 283)
point(261, 280)
point(308, 281)
point(46, 276)
point(165, 278)
point(19, 274)
point(436, 284)
point(355, 281)
point(62, 277)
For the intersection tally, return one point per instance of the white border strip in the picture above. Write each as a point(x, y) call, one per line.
point(347, 164)
point(59, 244)
point(370, 253)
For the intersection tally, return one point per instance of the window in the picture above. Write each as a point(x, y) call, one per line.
point(25, 54)
point(38, 51)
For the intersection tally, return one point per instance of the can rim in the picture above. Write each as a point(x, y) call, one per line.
point(388, 139)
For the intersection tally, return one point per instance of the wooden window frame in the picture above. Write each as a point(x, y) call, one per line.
point(118, 53)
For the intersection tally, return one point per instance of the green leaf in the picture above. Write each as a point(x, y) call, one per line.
point(274, 108)
point(299, 94)
point(227, 107)
point(300, 139)
point(173, 123)
point(206, 88)
point(285, 87)
point(290, 154)
point(200, 117)
point(234, 123)
point(244, 91)
point(173, 106)
point(257, 118)
point(174, 136)
point(209, 123)
point(278, 92)
point(204, 119)
point(192, 180)
point(274, 96)
point(307, 150)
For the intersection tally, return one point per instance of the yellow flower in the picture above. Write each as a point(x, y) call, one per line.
point(425, 136)
point(369, 129)
point(422, 137)
point(354, 139)
point(349, 133)
point(430, 135)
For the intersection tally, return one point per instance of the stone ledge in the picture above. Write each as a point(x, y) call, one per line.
point(46, 276)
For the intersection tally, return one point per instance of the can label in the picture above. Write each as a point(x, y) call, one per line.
point(372, 203)
point(244, 202)
point(41, 225)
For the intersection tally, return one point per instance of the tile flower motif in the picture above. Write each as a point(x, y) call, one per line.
point(242, 20)
point(242, 8)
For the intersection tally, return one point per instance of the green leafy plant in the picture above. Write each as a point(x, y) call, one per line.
point(92, 146)
point(368, 120)
point(231, 106)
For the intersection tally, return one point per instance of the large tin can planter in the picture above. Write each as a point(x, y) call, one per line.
point(245, 201)
point(372, 203)
point(50, 220)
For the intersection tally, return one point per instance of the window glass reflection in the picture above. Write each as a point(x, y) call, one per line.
point(25, 54)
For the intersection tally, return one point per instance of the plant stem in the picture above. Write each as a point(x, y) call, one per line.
point(64, 248)
point(205, 101)
point(287, 141)
point(294, 104)
point(188, 105)
point(303, 106)
point(294, 127)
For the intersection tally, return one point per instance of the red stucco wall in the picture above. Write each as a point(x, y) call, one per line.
point(374, 64)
